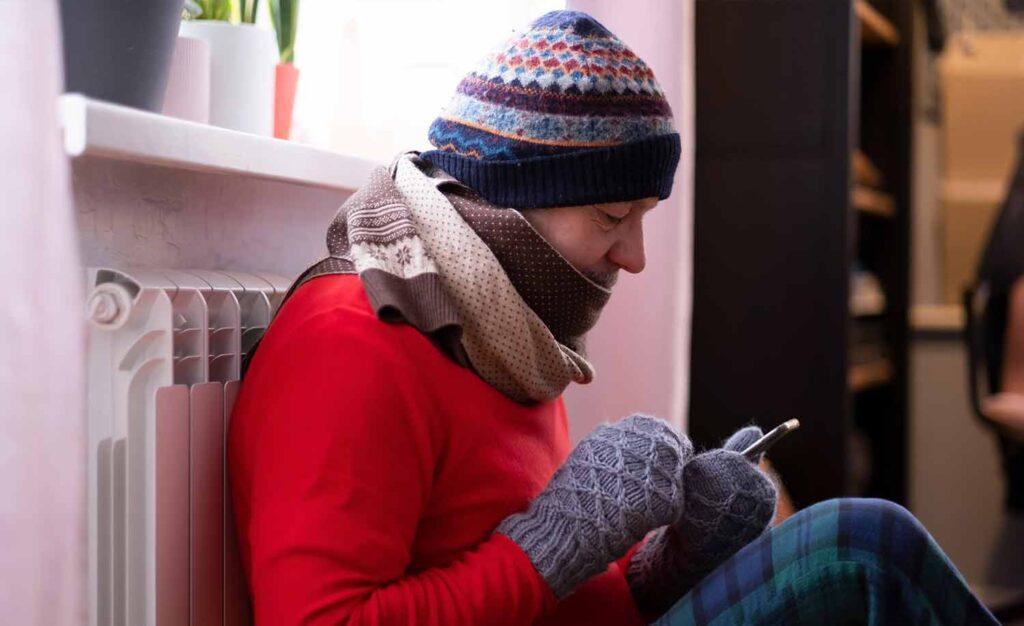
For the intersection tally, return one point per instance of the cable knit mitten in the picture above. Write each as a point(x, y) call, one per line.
point(729, 503)
point(618, 484)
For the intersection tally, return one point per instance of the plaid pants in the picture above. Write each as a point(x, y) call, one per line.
point(848, 561)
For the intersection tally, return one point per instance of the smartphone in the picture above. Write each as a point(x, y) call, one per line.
point(762, 444)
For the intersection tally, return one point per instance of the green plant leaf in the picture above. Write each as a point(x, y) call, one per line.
point(249, 9)
point(214, 10)
point(285, 16)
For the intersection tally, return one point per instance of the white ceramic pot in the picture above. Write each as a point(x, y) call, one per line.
point(242, 62)
point(188, 88)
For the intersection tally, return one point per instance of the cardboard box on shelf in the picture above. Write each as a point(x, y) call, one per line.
point(968, 210)
point(982, 82)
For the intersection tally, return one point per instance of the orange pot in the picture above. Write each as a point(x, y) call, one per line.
point(284, 99)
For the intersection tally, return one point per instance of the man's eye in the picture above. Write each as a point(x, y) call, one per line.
point(611, 219)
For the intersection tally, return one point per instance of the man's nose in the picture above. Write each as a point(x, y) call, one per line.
point(628, 252)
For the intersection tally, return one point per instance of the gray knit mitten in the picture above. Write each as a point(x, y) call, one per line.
point(729, 503)
point(618, 484)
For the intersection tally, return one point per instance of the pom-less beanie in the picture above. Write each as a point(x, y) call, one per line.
point(563, 114)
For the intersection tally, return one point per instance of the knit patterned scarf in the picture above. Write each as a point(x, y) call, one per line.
point(478, 280)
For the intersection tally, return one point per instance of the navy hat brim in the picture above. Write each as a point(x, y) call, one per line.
point(630, 171)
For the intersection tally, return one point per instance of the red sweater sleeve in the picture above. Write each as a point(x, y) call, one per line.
point(331, 468)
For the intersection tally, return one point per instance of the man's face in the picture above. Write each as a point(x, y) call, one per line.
point(598, 239)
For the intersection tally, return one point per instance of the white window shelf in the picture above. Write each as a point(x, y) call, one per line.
point(101, 129)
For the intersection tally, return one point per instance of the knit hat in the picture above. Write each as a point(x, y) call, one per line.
point(561, 115)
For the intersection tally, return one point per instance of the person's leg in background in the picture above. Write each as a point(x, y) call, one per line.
point(1006, 408)
point(847, 561)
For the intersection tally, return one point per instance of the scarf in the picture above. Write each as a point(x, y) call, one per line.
point(476, 279)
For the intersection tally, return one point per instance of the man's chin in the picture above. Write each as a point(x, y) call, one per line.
point(605, 279)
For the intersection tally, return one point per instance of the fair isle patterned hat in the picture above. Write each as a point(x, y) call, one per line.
point(561, 115)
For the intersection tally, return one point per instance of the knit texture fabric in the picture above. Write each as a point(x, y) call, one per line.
point(507, 343)
point(729, 503)
point(477, 279)
point(563, 114)
point(369, 472)
point(618, 484)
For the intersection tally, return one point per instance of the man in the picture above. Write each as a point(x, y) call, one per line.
point(399, 452)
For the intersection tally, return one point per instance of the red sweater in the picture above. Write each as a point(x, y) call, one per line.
point(369, 472)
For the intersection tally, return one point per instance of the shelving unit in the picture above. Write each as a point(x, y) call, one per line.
point(872, 201)
point(937, 318)
point(875, 29)
point(879, 388)
point(827, 158)
point(864, 376)
point(865, 172)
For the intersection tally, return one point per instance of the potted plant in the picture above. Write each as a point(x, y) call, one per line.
point(285, 16)
point(119, 51)
point(242, 57)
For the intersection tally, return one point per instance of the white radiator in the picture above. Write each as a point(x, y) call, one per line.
point(165, 349)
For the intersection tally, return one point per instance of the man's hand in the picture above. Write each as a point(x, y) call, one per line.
point(728, 502)
point(618, 484)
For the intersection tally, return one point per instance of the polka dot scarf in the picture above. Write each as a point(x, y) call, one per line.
point(477, 279)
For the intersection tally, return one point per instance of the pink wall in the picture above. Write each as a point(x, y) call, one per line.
point(641, 346)
point(42, 451)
